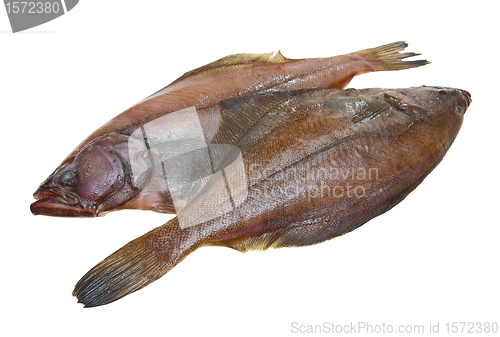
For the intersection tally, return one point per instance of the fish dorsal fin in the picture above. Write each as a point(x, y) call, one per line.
point(238, 59)
point(273, 57)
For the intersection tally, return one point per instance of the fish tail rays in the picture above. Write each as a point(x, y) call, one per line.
point(135, 265)
point(389, 57)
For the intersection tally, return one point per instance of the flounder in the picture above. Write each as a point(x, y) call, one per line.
point(284, 169)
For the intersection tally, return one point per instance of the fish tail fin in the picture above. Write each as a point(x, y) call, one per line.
point(135, 265)
point(389, 57)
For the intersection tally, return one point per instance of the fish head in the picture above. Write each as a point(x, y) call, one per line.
point(431, 103)
point(435, 115)
point(93, 181)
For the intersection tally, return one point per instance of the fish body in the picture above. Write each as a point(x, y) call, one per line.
point(96, 177)
point(290, 168)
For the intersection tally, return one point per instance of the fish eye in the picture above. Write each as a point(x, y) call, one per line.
point(68, 179)
point(458, 107)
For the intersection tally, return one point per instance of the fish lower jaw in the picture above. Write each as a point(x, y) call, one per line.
point(53, 205)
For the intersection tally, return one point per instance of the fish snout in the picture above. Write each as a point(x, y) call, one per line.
point(461, 99)
point(55, 201)
point(68, 197)
point(467, 97)
point(53, 188)
point(462, 102)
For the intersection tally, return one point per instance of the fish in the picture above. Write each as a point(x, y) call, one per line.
point(96, 177)
point(290, 169)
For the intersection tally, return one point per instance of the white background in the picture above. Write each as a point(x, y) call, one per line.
point(433, 258)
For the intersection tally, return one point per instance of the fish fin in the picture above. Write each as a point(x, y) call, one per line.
point(238, 59)
point(388, 57)
point(370, 111)
point(260, 243)
point(308, 229)
point(135, 265)
point(240, 114)
point(305, 232)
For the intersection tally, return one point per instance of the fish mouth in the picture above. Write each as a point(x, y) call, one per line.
point(55, 202)
point(462, 103)
point(462, 98)
point(467, 97)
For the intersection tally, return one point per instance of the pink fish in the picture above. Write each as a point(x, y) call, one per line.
point(96, 177)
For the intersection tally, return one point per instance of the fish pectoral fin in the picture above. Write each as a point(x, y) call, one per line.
point(369, 111)
point(240, 115)
point(388, 57)
point(134, 266)
point(238, 59)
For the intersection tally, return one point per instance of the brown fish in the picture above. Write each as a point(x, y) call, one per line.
point(297, 168)
point(96, 177)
